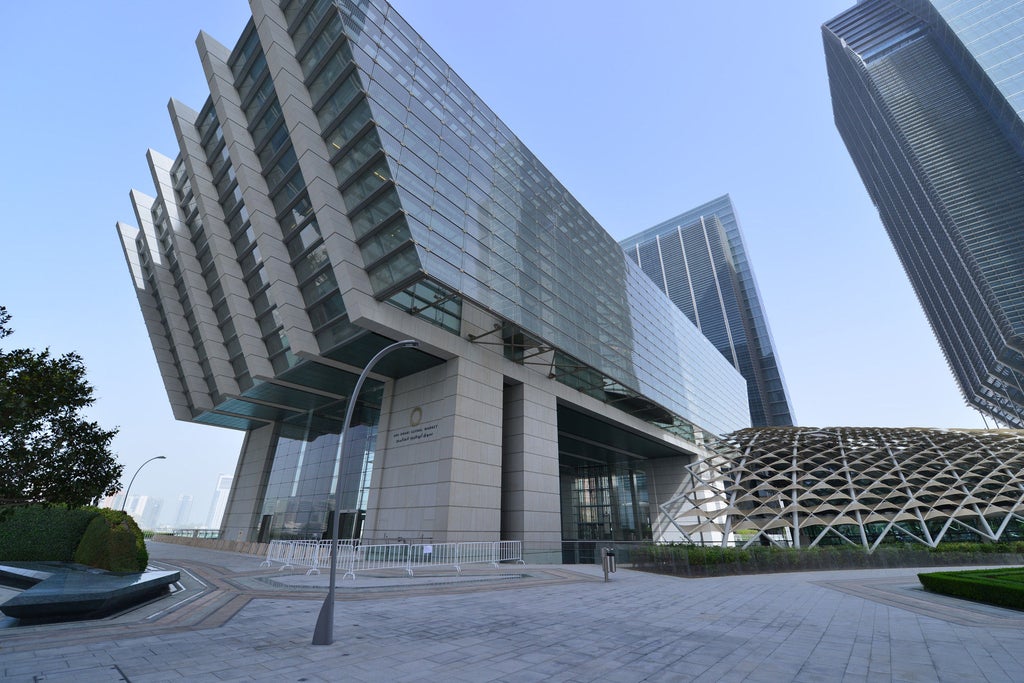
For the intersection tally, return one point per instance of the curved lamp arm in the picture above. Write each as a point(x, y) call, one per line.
point(324, 632)
point(123, 502)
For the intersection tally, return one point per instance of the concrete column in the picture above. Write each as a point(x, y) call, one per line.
point(530, 509)
point(242, 516)
point(437, 470)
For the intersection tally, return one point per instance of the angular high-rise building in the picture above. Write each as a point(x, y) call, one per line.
point(343, 189)
point(928, 97)
point(700, 261)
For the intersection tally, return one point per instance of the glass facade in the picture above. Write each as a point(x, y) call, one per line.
point(604, 502)
point(924, 97)
point(478, 215)
point(340, 168)
point(305, 471)
point(700, 261)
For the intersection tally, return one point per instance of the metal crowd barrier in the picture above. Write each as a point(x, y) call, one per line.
point(405, 556)
point(315, 555)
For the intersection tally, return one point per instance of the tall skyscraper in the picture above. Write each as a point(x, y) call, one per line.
point(699, 260)
point(343, 189)
point(220, 502)
point(928, 97)
point(183, 517)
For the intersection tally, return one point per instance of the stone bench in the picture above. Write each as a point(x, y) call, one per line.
point(63, 592)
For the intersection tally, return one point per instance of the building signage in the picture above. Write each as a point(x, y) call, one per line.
point(416, 431)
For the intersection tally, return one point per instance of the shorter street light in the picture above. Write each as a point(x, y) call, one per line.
point(123, 502)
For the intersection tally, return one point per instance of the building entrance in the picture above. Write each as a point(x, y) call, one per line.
point(604, 502)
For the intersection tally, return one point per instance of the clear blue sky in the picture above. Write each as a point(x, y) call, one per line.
point(641, 113)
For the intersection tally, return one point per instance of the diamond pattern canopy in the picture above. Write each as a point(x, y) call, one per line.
point(801, 485)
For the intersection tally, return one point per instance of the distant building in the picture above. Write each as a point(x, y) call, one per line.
point(112, 502)
point(700, 261)
point(145, 510)
point(343, 189)
point(150, 517)
point(183, 517)
point(928, 97)
point(220, 502)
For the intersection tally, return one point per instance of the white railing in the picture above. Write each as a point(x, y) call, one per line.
point(315, 555)
point(405, 556)
point(508, 551)
point(279, 551)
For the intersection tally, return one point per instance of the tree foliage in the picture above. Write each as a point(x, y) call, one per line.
point(48, 451)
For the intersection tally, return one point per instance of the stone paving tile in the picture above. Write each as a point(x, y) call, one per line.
point(753, 629)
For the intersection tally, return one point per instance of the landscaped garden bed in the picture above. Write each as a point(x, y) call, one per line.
point(1003, 587)
point(697, 561)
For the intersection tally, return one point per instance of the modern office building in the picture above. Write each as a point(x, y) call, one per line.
point(183, 517)
point(808, 486)
point(928, 98)
point(700, 261)
point(343, 189)
point(221, 495)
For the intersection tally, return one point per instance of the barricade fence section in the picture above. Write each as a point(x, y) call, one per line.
point(352, 557)
point(476, 553)
point(315, 555)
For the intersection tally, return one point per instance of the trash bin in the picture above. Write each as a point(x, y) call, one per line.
point(607, 561)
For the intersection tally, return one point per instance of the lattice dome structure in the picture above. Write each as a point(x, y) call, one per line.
point(805, 486)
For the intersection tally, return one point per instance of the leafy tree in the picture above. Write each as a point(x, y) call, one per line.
point(48, 451)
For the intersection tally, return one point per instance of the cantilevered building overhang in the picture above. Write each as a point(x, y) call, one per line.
point(805, 486)
point(341, 189)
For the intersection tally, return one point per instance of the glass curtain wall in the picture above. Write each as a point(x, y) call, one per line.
point(601, 502)
point(306, 469)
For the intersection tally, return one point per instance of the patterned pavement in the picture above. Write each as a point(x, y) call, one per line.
point(234, 621)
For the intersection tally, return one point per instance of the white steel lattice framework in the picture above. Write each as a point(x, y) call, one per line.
point(800, 485)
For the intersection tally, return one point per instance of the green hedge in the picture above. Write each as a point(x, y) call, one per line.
point(1001, 587)
point(987, 548)
point(42, 533)
point(113, 542)
point(98, 537)
point(694, 560)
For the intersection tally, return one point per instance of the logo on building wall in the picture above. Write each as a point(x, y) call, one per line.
point(416, 431)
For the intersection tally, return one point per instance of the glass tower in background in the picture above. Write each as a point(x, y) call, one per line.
point(928, 99)
point(699, 260)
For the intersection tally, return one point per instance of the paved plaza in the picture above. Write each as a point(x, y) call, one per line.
point(234, 621)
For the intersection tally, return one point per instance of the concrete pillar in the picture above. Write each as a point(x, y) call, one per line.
point(529, 478)
point(437, 469)
point(241, 517)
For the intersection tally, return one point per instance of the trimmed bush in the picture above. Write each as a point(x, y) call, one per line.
point(683, 559)
point(1000, 587)
point(42, 533)
point(113, 542)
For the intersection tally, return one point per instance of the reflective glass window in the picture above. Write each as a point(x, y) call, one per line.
point(370, 216)
point(361, 188)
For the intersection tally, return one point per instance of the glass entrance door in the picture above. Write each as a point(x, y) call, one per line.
point(605, 502)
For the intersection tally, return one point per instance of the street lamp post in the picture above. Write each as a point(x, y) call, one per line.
point(324, 632)
point(123, 502)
